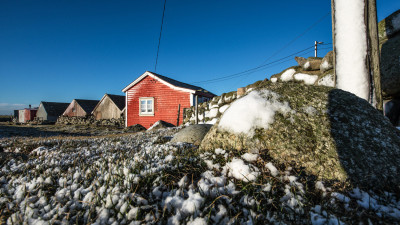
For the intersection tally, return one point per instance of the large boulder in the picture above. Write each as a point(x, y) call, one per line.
point(160, 124)
point(331, 133)
point(193, 134)
point(389, 26)
point(389, 40)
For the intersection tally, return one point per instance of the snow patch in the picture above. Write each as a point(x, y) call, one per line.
point(308, 79)
point(255, 110)
point(327, 80)
point(272, 168)
point(239, 170)
point(250, 157)
point(288, 75)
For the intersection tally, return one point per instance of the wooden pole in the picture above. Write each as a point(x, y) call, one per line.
point(373, 52)
point(179, 110)
point(196, 110)
point(333, 41)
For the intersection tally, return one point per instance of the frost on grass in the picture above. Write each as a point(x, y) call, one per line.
point(351, 47)
point(133, 180)
point(241, 171)
point(255, 110)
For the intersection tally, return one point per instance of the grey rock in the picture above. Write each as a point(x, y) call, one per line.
point(160, 124)
point(312, 64)
point(193, 134)
point(332, 134)
point(389, 26)
point(390, 67)
point(300, 60)
point(135, 128)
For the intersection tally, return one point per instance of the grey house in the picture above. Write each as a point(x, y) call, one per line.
point(50, 111)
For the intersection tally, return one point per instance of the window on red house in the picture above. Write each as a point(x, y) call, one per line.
point(146, 106)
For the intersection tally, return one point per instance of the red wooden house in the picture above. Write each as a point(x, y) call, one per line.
point(153, 97)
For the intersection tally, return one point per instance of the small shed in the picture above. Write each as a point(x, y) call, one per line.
point(50, 111)
point(29, 114)
point(152, 97)
point(80, 107)
point(109, 107)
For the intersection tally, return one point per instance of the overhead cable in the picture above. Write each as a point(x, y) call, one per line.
point(159, 38)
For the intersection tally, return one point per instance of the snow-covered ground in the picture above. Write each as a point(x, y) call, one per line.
point(141, 179)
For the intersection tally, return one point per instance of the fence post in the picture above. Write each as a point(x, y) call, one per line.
point(179, 110)
point(196, 110)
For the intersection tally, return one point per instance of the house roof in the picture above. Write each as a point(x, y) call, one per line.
point(55, 108)
point(87, 105)
point(119, 101)
point(170, 82)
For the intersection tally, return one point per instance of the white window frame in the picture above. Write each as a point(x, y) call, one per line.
point(140, 106)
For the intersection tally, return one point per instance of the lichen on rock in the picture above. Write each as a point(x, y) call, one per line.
point(331, 133)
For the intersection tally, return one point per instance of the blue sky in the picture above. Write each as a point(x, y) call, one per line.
point(61, 50)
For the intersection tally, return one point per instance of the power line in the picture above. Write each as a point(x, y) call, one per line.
point(252, 69)
point(263, 65)
point(159, 38)
point(299, 36)
point(258, 68)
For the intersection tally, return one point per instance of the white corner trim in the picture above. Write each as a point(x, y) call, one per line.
point(126, 109)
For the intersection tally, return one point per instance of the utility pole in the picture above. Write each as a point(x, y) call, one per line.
point(316, 47)
point(196, 108)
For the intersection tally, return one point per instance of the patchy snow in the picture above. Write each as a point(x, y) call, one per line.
point(272, 169)
point(288, 75)
point(250, 157)
point(325, 65)
point(212, 113)
point(132, 180)
point(223, 108)
point(241, 171)
point(255, 110)
point(274, 79)
point(351, 47)
point(327, 80)
point(212, 122)
point(306, 65)
point(308, 79)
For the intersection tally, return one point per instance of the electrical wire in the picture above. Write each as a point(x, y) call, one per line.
point(257, 69)
point(299, 36)
point(159, 38)
point(252, 69)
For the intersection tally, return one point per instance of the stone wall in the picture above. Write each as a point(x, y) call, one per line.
point(90, 120)
point(210, 111)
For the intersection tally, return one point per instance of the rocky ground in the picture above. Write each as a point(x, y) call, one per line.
point(12, 130)
point(142, 178)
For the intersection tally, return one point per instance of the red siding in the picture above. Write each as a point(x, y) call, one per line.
point(166, 102)
point(30, 114)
